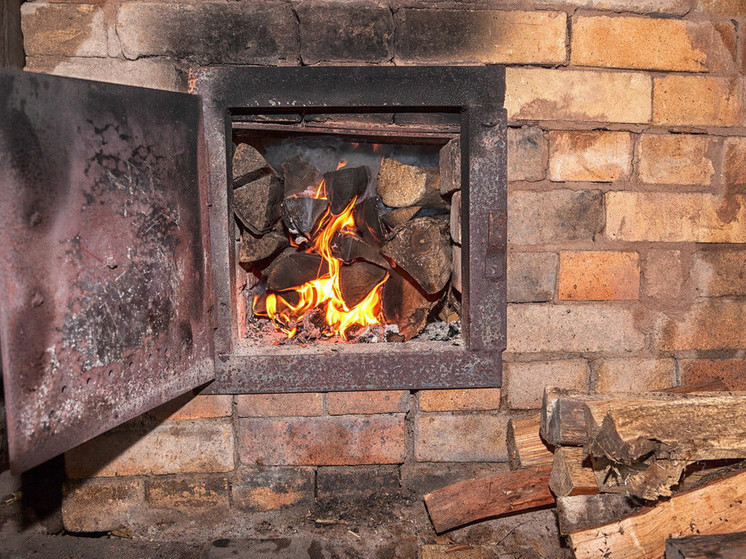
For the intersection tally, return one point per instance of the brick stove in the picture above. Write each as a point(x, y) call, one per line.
point(120, 219)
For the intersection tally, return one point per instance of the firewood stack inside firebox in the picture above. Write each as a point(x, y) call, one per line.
point(365, 250)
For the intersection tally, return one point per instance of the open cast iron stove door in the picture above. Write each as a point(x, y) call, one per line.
point(103, 258)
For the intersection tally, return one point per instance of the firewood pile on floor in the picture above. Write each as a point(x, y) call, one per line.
point(659, 474)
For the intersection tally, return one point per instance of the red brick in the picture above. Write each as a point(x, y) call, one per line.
point(599, 276)
point(589, 156)
point(189, 406)
point(734, 164)
point(101, 505)
point(264, 489)
point(676, 7)
point(460, 438)
point(172, 447)
point(525, 382)
point(63, 29)
point(279, 405)
point(675, 217)
point(577, 95)
point(333, 441)
point(676, 159)
point(727, 8)
point(633, 375)
point(460, 400)
point(731, 371)
point(710, 325)
point(385, 401)
point(208, 495)
point(698, 101)
point(652, 44)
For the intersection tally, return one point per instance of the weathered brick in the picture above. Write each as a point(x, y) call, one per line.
point(459, 399)
point(172, 447)
point(532, 276)
point(344, 31)
point(698, 101)
point(460, 438)
point(720, 272)
point(203, 496)
point(333, 441)
point(383, 401)
point(421, 478)
point(708, 325)
point(677, 7)
point(101, 505)
point(577, 95)
point(673, 217)
point(263, 489)
point(555, 216)
point(731, 371)
point(189, 406)
point(146, 72)
point(528, 154)
point(277, 405)
point(652, 44)
point(589, 156)
point(734, 165)
point(356, 482)
point(228, 33)
point(664, 274)
point(728, 8)
point(599, 276)
point(525, 382)
point(633, 375)
point(675, 159)
point(572, 328)
point(63, 29)
point(488, 36)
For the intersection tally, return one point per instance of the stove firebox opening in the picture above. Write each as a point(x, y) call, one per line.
point(347, 238)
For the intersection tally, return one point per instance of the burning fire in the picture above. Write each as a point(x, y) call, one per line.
point(324, 292)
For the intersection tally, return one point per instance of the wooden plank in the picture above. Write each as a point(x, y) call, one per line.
point(497, 495)
point(583, 511)
point(572, 473)
point(525, 447)
point(716, 508)
point(11, 38)
point(718, 546)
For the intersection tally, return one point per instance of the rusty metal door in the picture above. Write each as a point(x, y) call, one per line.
point(106, 305)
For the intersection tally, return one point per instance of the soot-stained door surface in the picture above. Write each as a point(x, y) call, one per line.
point(106, 308)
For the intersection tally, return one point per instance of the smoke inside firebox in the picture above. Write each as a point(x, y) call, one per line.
point(343, 240)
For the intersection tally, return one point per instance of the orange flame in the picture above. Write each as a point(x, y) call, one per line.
point(325, 292)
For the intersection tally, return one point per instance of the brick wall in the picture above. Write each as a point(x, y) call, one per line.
point(627, 224)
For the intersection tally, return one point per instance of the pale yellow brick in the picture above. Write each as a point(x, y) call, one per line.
point(699, 100)
point(676, 159)
point(63, 29)
point(633, 375)
point(525, 382)
point(589, 156)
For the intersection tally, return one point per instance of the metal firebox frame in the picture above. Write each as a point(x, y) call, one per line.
point(474, 92)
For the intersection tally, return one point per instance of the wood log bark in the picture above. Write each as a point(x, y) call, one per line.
point(715, 508)
point(688, 427)
point(357, 280)
point(405, 304)
point(450, 167)
point(572, 473)
point(401, 185)
point(497, 495)
point(525, 447)
point(583, 511)
point(717, 546)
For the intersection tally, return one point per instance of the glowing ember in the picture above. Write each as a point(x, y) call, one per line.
point(324, 294)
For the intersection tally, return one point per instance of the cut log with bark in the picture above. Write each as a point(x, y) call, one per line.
point(257, 204)
point(572, 473)
point(302, 215)
point(401, 185)
point(688, 427)
point(716, 508)
point(716, 546)
point(293, 269)
point(497, 495)
point(525, 447)
point(300, 177)
point(397, 217)
point(422, 248)
point(258, 248)
point(580, 512)
point(368, 220)
point(357, 280)
point(349, 249)
point(405, 304)
point(455, 224)
point(649, 479)
point(248, 165)
point(343, 185)
point(449, 160)
point(701, 472)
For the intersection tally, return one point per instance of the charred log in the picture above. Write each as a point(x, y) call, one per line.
point(357, 280)
point(293, 269)
point(368, 220)
point(301, 215)
point(405, 304)
point(300, 176)
point(343, 185)
point(257, 204)
point(349, 249)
